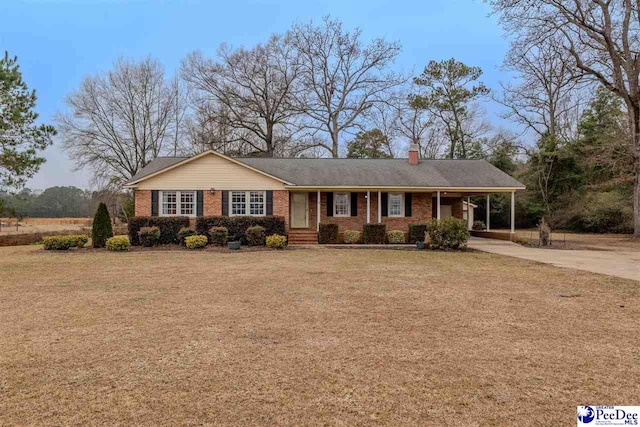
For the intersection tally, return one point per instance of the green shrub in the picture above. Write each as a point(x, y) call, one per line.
point(375, 234)
point(196, 242)
point(118, 243)
point(81, 240)
point(184, 233)
point(169, 227)
point(149, 236)
point(276, 241)
point(237, 225)
point(328, 234)
point(218, 235)
point(416, 232)
point(600, 212)
point(352, 236)
point(450, 233)
point(102, 229)
point(65, 242)
point(478, 226)
point(396, 236)
point(255, 236)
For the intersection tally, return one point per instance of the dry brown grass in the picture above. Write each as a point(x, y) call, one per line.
point(309, 337)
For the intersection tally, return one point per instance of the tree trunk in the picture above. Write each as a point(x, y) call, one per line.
point(335, 140)
point(634, 122)
point(269, 140)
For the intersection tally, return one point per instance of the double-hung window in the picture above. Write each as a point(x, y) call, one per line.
point(251, 203)
point(178, 203)
point(396, 205)
point(341, 204)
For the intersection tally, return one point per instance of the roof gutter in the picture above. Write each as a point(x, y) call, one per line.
point(405, 188)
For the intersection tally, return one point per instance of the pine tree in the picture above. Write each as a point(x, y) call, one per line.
point(101, 227)
point(20, 137)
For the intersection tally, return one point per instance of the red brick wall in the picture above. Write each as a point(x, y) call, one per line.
point(212, 203)
point(142, 202)
point(420, 213)
point(281, 205)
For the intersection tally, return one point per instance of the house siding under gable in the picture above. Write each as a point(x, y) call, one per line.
point(210, 171)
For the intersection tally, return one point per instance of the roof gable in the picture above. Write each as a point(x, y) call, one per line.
point(163, 165)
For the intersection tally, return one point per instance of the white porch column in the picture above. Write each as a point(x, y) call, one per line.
point(379, 207)
point(368, 207)
point(318, 213)
point(469, 215)
point(438, 206)
point(488, 213)
point(513, 211)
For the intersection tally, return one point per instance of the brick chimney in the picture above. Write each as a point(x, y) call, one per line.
point(414, 154)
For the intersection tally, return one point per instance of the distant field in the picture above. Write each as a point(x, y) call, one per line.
point(32, 230)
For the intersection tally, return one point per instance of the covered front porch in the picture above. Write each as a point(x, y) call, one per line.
point(352, 208)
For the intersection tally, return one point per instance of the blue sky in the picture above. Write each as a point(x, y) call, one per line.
point(60, 42)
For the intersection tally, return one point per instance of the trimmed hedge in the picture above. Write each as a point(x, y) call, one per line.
point(196, 242)
point(169, 227)
point(328, 234)
point(396, 237)
point(65, 242)
point(149, 236)
point(184, 233)
point(375, 234)
point(238, 225)
point(417, 232)
point(450, 233)
point(276, 241)
point(351, 236)
point(118, 243)
point(255, 235)
point(479, 225)
point(218, 236)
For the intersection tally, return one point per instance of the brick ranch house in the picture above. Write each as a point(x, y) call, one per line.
point(307, 192)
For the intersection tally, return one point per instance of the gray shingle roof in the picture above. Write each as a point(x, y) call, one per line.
point(156, 165)
point(369, 172)
point(384, 172)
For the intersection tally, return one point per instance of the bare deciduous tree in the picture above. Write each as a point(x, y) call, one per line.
point(118, 122)
point(545, 98)
point(341, 76)
point(257, 89)
point(601, 37)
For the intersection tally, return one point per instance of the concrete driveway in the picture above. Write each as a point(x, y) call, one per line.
point(619, 263)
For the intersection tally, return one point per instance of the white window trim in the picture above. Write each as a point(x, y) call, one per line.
point(348, 205)
point(178, 203)
point(247, 202)
point(401, 205)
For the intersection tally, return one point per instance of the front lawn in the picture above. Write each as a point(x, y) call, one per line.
point(315, 336)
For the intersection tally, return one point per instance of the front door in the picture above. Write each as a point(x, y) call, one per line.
point(299, 210)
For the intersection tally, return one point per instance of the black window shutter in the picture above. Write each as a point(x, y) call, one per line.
point(354, 204)
point(199, 203)
point(407, 204)
point(385, 204)
point(269, 202)
point(154, 202)
point(329, 204)
point(225, 203)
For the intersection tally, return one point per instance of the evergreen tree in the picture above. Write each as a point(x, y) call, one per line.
point(20, 137)
point(101, 227)
point(372, 144)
